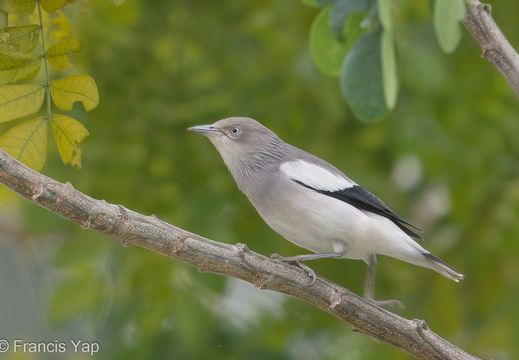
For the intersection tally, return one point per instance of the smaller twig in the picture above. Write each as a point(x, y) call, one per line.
point(493, 43)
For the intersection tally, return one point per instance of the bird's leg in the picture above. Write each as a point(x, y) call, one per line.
point(369, 286)
point(298, 260)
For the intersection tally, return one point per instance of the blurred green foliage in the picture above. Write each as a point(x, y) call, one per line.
point(446, 159)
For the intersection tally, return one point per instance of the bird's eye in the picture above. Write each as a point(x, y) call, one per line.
point(235, 130)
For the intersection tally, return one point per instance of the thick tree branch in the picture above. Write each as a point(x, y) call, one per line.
point(494, 44)
point(412, 336)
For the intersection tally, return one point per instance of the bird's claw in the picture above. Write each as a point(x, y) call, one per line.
point(311, 273)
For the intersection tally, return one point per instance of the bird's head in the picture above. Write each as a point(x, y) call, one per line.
point(239, 138)
point(250, 150)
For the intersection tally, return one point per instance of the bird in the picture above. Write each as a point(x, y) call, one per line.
point(314, 205)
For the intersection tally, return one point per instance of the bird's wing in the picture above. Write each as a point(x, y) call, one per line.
point(317, 178)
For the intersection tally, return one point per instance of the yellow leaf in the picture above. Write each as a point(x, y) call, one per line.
point(27, 142)
point(52, 5)
point(19, 38)
point(60, 26)
point(16, 67)
point(18, 6)
point(68, 133)
point(58, 54)
point(17, 101)
point(65, 92)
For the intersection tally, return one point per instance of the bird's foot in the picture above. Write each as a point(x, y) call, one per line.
point(369, 287)
point(299, 264)
point(388, 303)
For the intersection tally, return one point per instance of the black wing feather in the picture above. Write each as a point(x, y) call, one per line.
point(364, 200)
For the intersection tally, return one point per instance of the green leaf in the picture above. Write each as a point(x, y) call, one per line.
point(58, 54)
point(341, 10)
point(27, 142)
point(17, 101)
point(52, 5)
point(447, 15)
point(385, 9)
point(15, 67)
point(389, 69)
point(19, 38)
point(328, 52)
point(387, 49)
point(76, 88)
point(68, 132)
point(361, 79)
point(21, 7)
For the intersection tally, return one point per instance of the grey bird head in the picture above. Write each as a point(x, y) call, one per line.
point(237, 134)
point(247, 147)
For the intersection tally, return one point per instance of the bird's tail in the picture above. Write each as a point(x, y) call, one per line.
point(443, 268)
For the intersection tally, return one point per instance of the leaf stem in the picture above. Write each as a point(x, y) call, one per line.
point(45, 63)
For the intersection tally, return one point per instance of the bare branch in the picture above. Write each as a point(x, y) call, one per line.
point(412, 336)
point(494, 44)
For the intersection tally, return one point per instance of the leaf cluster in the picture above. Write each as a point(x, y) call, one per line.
point(355, 40)
point(23, 97)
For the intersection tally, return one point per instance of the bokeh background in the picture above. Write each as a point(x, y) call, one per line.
point(447, 159)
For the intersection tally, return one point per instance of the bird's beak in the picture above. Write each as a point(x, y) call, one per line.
point(207, 130)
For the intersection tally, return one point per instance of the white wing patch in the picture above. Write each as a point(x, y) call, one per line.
point(315, 176)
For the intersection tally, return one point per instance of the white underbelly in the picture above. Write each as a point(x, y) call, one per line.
point(324, 224)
